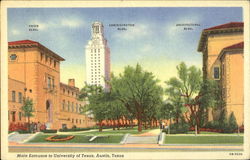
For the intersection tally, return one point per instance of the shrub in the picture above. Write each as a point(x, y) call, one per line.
point(18, 126)
point(223, 125)
point(232, 124)
point(74, 129)
point(49, 131)
point(177, 128)
point(23, 131)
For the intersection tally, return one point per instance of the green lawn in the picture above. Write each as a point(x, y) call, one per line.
point(113, 132)
point(203, 140)
point(109, 139)
point(78, 139)
point(203, 132)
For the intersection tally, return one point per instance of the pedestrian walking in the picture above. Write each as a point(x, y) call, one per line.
point(32, 127)
point(39, 126)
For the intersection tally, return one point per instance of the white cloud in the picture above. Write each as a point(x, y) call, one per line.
point(15, 32)
point(132, 33)
point(72, 23)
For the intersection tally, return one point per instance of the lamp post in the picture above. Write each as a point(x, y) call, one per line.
point(169, 121)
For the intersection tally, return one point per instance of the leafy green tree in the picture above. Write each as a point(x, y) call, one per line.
point(139, 92)
point(28, 109)
point(196, 94)
point(176, 101)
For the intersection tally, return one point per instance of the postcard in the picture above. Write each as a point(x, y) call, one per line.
point(125, 80)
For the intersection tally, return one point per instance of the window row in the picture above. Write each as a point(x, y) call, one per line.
point(71, 107)
point(50, 82)
point(20, 96)
point(95, 50)
point(95, 61)
point(48, 60)
point(74, 94)
point(12, 116)
point(92, 66)
point(80, 121)
point(95, 82)
point(95, 56)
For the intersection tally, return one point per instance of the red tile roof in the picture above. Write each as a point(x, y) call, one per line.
point(22, 42)
point(34, 42)
point(227, 25)
point(230, 27)
point(236, 46)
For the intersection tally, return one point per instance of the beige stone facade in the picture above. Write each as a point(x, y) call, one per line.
point(37, 69)
point(223, 59)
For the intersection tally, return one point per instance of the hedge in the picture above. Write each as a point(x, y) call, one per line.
point(177, 128)
point(49, 131)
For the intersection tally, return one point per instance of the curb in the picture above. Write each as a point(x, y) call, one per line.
point(124, 138)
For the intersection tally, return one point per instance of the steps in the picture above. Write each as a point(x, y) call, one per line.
point(141, 140)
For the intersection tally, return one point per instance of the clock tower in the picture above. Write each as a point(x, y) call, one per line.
point(97, 55)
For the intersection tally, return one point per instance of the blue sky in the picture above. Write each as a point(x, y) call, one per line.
point(155, 41)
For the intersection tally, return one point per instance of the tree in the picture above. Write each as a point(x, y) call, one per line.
point(196, 95)
point(175, 103)
point(232, 123)
point(138, 91)
point(28, 109)
point(102, 105)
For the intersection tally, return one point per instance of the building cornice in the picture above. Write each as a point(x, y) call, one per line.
point(38, 46)
point(206, 33)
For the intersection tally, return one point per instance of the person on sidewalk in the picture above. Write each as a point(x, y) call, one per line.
point(32, 127)
point(38, 126)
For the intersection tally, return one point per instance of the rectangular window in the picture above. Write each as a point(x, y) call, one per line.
point(13, 96)
point(216, 73)
point(41, 56)
point(13, 114)
point(54, 64)
point(68, 106)
point(53, 83)
point(20, 97)
point(72, 107)
point(63, 105)
point(49, 82)
point(76, 108)
point(20, 116)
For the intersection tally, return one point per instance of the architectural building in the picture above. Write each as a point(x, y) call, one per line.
point(223, 61)
point(97, 55)
point(34, 72)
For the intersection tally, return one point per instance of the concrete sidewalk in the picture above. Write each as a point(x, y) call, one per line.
point(37, 147)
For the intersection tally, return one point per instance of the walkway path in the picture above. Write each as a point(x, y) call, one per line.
point(19, 137)
point(150, 137)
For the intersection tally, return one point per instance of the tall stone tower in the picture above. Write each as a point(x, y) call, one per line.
point(97, 55)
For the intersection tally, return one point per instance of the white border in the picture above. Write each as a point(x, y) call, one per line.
point(128, 155)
